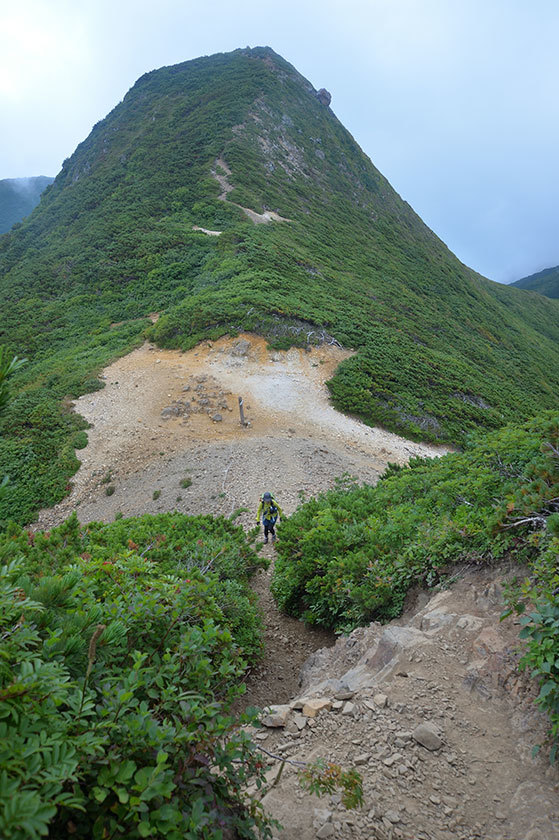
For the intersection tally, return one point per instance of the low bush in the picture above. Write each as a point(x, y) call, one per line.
point(122, 648)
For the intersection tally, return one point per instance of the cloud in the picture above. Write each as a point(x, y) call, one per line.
point(38, 49)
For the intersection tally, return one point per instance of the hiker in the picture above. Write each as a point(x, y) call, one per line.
point(268, 512)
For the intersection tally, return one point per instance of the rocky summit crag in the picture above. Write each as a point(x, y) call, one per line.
point(224, 194)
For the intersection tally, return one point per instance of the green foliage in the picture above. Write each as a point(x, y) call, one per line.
point(541, 657)
point(185, 482)
point(156, 494)
point(440, 351)
point(324, 778)
point(120, 660)
point(350, 555)
point(533, 508)
point(8, 366)
point(545, 282)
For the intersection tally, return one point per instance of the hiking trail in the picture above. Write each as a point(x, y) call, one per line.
point(449, 663)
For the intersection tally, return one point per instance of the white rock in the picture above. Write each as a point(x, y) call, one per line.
point(321, 816)
point(276, 717)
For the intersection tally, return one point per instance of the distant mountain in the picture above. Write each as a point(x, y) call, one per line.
point(545, 282)
point(18, 197)
point(310, 243)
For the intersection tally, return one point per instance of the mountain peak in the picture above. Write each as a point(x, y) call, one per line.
point(224, 194)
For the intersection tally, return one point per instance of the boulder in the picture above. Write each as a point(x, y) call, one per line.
point(240, 348)
point(276, 716)
point(427, 734)
point(313, 707)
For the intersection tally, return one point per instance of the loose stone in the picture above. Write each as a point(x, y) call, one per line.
point(276, 717)
point(313, 707)
point(427, 735)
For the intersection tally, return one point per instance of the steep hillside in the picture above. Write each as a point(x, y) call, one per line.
point(18, 197)
point(224, 194)
point(545, 282)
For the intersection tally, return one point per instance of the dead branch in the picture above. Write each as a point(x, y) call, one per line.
point(528, 520)
point(281, 758)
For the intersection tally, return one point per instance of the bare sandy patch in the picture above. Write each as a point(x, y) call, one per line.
point(153, 423)
point(152, 432)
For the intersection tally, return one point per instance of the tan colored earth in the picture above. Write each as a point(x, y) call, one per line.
point(296, 445)
point(152, 428)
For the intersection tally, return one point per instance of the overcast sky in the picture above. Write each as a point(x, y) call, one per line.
point(455, 101)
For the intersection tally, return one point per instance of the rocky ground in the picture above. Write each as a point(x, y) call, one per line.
point(433, 712)
point(166, 435)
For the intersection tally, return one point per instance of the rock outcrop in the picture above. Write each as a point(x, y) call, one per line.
point(434, 714)
point(324, 96)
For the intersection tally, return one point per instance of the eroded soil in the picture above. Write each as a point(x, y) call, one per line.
point(148, 434)
point(166, 416)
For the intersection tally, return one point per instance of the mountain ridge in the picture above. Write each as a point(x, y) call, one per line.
point(18, 197)
point(544, 282)
point(220, 196)
point(441, 351)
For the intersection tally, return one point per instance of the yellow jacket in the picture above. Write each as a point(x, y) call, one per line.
point(269, 509)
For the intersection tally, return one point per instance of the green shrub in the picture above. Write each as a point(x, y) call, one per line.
point(120, 662)
point(186, 482)
point(540, 630)
point(350, 555)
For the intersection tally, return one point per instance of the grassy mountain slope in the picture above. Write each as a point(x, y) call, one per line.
point(441, 350)
point(545, 282)
point(18, 197)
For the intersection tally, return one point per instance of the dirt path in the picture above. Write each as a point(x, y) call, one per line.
point(167, 416)
point(222, 177)
point(148, 434)
point(433, 713)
